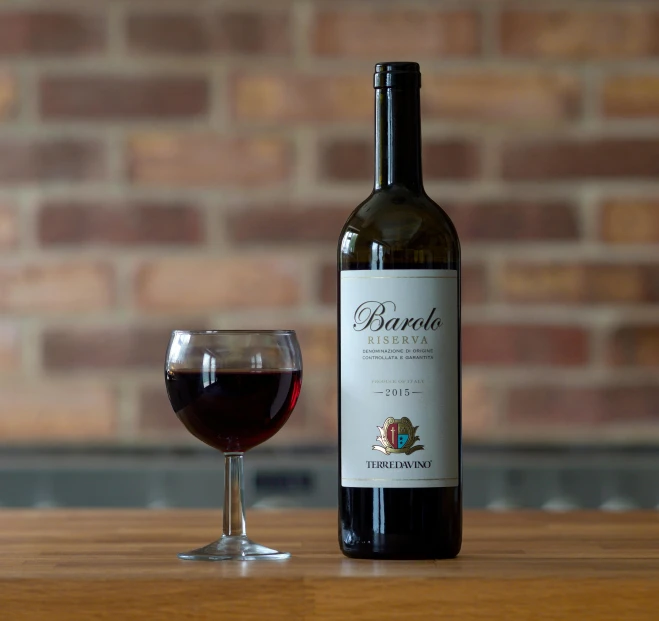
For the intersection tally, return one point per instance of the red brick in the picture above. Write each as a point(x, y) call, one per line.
point(542, 345)
point(630, 221)
point(120, 97)
point(207, 160)
point(346, 160)
point(318, 344)
point(229, 31)
point(66, 411)
point(474, 284)
point(109, 347)
point(574, 406)
point(514, 220)
point(280, 223)
point(479, 415)
point(9, 227)
point(46, 33)
point(321, 407)
point(352, 160)
point(327, 284)
point(395, 32)
point(8, 95)
point(73, 222)
point(450, 159)
point(43, 160)
point(170, 33)
point(56, 287)
point(579, 283)
point(501, 96)
point(156, 418)
point(631, 96)
point(580, 34)
point(10, 347)
point(575, 159)
point(634, 346)
point(295, 97)
point(209, 284)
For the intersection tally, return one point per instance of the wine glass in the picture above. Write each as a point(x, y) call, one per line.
point(233, 389)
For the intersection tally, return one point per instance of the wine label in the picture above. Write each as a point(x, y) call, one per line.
point(399, 378)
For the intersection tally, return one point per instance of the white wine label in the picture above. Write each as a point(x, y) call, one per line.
point(399, 378)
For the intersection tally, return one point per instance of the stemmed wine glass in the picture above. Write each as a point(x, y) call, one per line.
point(233, 389)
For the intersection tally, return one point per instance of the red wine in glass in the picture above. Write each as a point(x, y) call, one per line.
point(231, 410)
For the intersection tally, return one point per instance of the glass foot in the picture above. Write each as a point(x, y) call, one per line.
point(233, 549)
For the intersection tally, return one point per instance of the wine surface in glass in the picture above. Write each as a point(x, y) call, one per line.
point(233, 410)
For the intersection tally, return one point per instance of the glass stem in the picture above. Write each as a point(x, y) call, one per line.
point(234, 507)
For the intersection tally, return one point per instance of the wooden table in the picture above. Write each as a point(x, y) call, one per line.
point(101, 565)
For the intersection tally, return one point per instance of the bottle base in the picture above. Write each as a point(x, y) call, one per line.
point(394, 556)
point(399, 551)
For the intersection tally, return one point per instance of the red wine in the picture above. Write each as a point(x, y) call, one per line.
point(400, 494)
point(233, 411)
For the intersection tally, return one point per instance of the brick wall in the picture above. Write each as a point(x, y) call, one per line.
point(188, 163)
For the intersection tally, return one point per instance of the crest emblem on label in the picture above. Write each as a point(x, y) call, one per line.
point(397, 435)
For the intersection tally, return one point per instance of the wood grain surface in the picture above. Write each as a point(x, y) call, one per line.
point(101, 565)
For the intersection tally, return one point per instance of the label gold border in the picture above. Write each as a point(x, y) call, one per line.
point(397, 479)
point(384, 277)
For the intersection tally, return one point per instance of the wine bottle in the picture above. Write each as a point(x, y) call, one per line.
point(400, 490)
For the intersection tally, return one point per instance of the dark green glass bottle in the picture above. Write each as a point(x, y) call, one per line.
point(400, 490)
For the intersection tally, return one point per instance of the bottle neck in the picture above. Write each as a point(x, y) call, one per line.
point(398, 139)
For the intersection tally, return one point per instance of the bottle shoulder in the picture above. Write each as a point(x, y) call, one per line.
point(400, 225)
point(399, 209)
